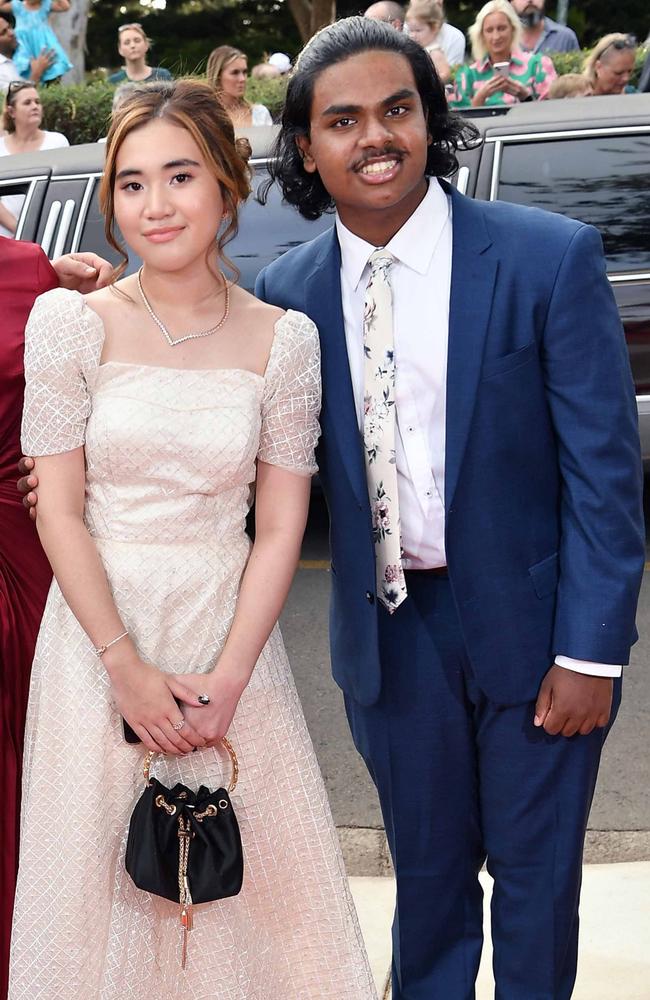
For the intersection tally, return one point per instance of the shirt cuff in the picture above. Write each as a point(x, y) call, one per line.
point(587, 667)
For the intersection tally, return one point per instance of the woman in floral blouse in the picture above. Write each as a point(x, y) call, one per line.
point(501, 72)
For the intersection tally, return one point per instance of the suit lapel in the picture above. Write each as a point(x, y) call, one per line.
point(339, 416)
point(473, 274)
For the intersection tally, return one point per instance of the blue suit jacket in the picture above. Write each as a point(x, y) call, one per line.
point(544, 526)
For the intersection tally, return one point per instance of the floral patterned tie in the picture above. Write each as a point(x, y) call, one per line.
point(379, 430)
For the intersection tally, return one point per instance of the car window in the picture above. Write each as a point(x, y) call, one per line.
point(12, 195)
point(602, 180)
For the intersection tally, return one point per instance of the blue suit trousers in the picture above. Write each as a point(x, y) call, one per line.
point(462, 781)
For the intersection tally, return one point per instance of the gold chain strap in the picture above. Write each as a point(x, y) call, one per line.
point(227, 745)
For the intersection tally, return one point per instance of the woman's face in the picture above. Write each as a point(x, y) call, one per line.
point(234, 76)
point(168, 203)
point(497, 35)
point(614, 71)
point(421, 31)
point(27, 111)
point(132, 45)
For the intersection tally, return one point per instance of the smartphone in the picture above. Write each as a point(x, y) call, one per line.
point(501, 68)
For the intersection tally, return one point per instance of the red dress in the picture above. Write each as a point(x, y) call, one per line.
point(25, 574)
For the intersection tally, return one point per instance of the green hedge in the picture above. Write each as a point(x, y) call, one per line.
point(82, 111)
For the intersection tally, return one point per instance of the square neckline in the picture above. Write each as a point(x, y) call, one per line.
point(172, 368)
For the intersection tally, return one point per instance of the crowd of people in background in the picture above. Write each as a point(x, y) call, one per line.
point(509, 61)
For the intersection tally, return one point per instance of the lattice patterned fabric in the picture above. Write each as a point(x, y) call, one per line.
point(171, 455)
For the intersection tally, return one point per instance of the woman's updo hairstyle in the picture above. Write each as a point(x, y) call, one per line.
point(191, 105)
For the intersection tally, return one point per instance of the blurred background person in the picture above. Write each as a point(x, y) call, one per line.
point(610, 64)
point(35, 34)
point(570, 85)
point(22, 118)
point(8, 69)
point(426, 24)
point(539, 33)
point(227, 73)
point(426, 33)
point(501, 73)
point(133, 45)
point(281, 61)
point(25, 573)
point(387, 11)
point(264, 71)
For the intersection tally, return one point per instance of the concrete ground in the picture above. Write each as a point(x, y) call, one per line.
point(615, 932)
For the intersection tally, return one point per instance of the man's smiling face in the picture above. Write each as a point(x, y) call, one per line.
point(368, 141)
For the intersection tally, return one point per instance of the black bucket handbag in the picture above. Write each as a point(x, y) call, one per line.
point(185, 846)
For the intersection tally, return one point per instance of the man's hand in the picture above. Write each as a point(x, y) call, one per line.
point(82, 272)
point(27, 485)
point(40, 63)
point(569, 702)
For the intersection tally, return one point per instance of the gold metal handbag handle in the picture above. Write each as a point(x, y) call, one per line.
point(148, 760)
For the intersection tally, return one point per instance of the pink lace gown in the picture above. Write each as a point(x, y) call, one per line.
point(170, 459)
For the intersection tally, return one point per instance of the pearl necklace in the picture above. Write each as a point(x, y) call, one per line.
point(188, 336)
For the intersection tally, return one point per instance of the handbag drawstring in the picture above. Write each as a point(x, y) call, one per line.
point(184, 896)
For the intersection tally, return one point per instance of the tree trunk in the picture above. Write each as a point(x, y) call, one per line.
point(322, 12)
point(310, 15)
point(71, 31)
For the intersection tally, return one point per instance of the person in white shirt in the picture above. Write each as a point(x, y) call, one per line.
point(481, 464)
point(8, 45)
point(388, 11)
point(426, 24)
point(22, 119)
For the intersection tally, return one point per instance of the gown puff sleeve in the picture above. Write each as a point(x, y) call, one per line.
point(291, 399)
point(63, 343)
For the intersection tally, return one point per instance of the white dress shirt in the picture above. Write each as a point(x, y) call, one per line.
point(421, 283)
point(8, 73)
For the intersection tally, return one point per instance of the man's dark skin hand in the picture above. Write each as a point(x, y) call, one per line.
point(568, 702)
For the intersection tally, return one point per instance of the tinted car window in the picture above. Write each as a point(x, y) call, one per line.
point(602, 180)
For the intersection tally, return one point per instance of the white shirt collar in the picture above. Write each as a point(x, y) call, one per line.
point(407, 245)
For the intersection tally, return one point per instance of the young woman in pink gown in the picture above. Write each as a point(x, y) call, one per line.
point(152, 408)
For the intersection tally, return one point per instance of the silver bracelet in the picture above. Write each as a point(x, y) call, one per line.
point(100, 650)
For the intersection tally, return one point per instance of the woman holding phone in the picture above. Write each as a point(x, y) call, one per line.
point(501, 72)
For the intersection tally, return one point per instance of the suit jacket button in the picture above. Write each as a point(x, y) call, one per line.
point(370, 597)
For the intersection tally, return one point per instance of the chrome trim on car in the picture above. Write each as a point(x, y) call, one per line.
point(64, 227)
point(628, 276)
point(83, 212)
point(568, 133)
point(50, 226)
point(461, 180)
point(496, 164)
point(76, 177)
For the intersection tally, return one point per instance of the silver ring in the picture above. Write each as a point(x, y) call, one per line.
point(176, 726)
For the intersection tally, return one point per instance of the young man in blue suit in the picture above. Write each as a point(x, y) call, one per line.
point(482, 674)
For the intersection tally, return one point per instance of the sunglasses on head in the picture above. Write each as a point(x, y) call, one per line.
point(629, 42)
point(17, 85)
point(134, 24)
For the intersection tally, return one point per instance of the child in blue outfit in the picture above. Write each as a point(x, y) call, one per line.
point(35, 35)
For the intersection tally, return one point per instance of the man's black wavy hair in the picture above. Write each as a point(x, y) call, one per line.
point(348, 37)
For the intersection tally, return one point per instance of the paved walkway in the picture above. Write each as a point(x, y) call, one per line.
point(615, 932)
